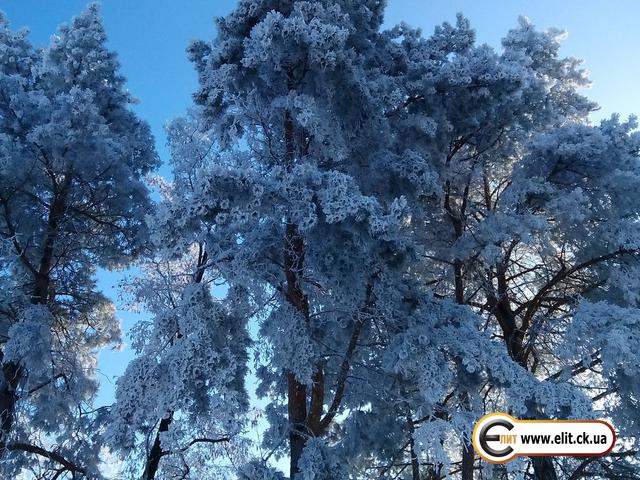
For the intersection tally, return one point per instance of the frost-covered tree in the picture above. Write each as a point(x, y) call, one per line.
point(420, 229)
point(72, 199)
point(180, 405)
point(536, 209)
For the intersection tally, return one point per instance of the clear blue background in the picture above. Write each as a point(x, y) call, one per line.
point(150, 37)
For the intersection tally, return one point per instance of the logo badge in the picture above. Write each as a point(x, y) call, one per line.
point(499, 438)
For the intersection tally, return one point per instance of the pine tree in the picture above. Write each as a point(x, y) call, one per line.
point(72, 199)
point(419, 230)
point(182, 403)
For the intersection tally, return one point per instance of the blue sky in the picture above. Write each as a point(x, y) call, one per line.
point(150, 37)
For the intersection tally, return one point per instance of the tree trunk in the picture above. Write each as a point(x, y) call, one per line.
point(155, 454)
point(293, 255)
point(468, 457)
point(297, 410)
point(296, 391)
point(13, 373)
point(543, 468)
point(415, 462)
point(8, 398)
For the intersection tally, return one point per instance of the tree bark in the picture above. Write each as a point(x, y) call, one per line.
point(8, 398)
point(543, 468)
point(13, 373)
point(468, 458)
point(68, 465)
point(296, 391)
point(468, 455)
point(293, 255)
point(155, 454)
point(415, 462)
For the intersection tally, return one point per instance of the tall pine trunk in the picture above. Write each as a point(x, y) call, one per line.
point(293, 255)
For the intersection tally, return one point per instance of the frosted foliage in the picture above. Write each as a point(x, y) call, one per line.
point(72, 160)
point(439, 333)
point(516, 469)
point(409, 220)
point(417, 230)
point(189, 374)
point(321, 31)
point(432, 437)
point(258, 471)
point(198, 373)
point(279, 329)
point(593, 330)
point(319, 462)
point(30, 342)
point(612, 331)
point(627, 281)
